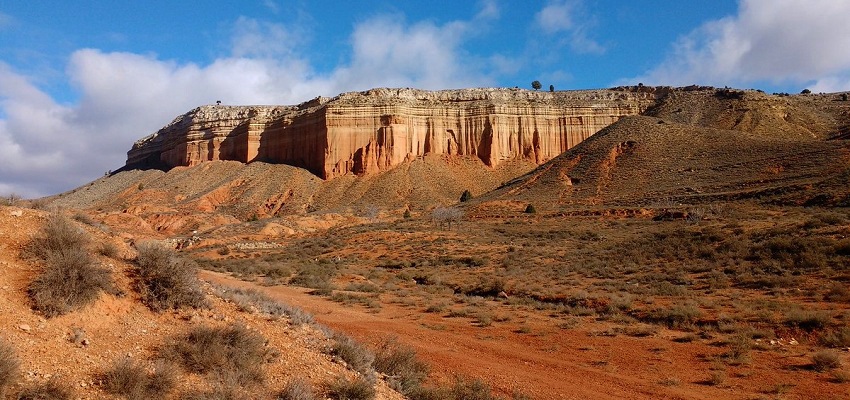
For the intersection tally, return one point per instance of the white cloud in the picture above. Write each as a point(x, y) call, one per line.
point(780, 41)
point(252, 38)
point(425, 55)
point(566, 17)
point(489, 9)
point(47, 147)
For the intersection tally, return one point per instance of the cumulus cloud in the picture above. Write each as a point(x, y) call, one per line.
point(779, 41)
point(566, 18)
point(425, 55)
point(47, 147)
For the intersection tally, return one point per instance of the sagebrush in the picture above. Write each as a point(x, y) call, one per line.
point(71, 278)
point(167, 281)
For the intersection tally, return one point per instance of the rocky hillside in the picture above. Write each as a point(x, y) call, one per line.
point(365, 132)
point(78, 351)
point(702, 145)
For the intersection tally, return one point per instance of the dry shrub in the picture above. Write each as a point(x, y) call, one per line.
point(57, 235)
point(405, 372)
point(108, 249)
point(297, 388)
point(219, 392)
point(83, 218)
point(70, 279)
point(807, 320)
point(232, 352)
point(825, 360)
point(836, 338)
point(740, 345)
point(167, 281)
point(10, 199)
point(9, 367)
point(39, 204)
point(53, 389)
point(463, 389)
point(132, 380)
point(253, 300)
point(354, 354)
point(355, 389)
point(475, 389)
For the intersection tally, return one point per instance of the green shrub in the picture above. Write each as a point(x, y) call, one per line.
point(466, 196)
point(9, 367)
point(233, 352)
point(165, 280)
point(529, 209)
point(355, 389)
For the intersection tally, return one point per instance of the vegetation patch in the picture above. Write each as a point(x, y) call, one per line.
point(358, 357)
point(52, 389)
point(9, 367)
point(233, 353)
point(132, 380)
point(351, 389)
point(70, 279)
point(167, 281)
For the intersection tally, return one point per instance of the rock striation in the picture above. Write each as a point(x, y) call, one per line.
point(375, 130)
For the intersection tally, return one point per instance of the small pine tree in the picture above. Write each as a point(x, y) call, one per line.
point(529, 209)
point(536, 85)
point(551, 88)
point(806, 91)
point(466, 196)
point(407, 214)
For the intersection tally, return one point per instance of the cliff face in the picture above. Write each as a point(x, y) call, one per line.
point(366, 132)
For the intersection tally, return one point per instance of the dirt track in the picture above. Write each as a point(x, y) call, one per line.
point(548, 363)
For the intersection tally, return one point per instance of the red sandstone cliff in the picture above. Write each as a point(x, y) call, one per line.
point(365, 132)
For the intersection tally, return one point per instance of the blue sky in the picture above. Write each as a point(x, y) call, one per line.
point(81, 80)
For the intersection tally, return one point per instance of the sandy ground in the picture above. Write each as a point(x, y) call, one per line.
point(553, 363)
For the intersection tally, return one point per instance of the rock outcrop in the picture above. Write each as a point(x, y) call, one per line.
point(365, 132)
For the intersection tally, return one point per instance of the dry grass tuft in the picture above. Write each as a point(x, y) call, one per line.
point(70, 279)
point(167, 281)
point(297, 388)
point(251, 300)
point(53, 389)
point(232, 352)
point(9, 367)
point(131, 380)
point(826, 360)
point(355, 389)
point(405, 372)
point(357, 357)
